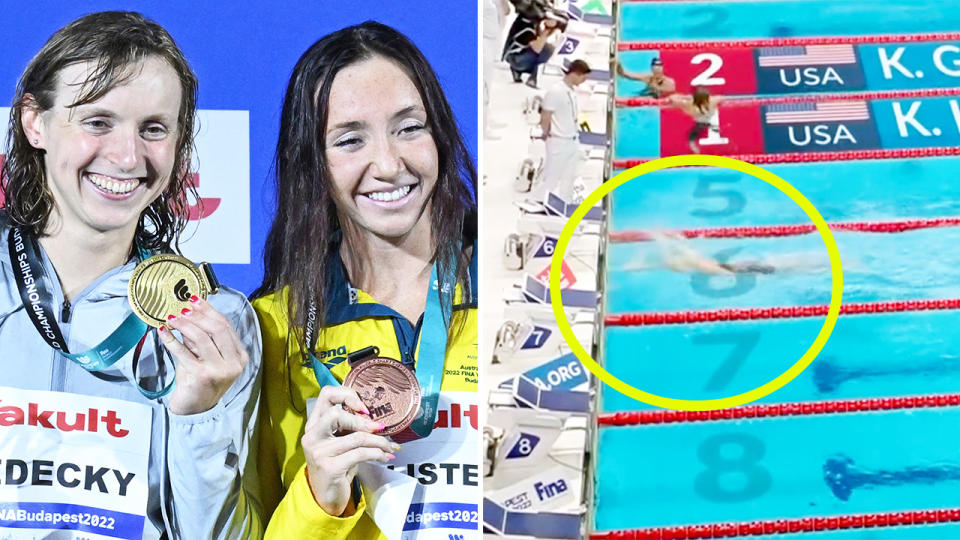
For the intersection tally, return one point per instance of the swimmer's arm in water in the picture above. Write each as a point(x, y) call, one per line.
point(635, 75)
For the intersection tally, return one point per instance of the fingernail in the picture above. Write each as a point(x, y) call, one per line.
point(366, 411)
point(185, 311)
point(171, 317)
point(163, 328)
point(381, 426)
point(396, 447)
point(194, 299)
point(391, 456)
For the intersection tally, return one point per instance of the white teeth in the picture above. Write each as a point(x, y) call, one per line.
point(387, 196)
point(113, 185)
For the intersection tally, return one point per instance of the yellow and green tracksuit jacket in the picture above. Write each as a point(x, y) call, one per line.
point(354, 321)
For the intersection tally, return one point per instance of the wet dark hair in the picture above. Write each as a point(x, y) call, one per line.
point(114, 41)
point(300, 247)
point(701, 97)
point(656, 62)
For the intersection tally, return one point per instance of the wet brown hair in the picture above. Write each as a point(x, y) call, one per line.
point(701, 98)
point(114, 41)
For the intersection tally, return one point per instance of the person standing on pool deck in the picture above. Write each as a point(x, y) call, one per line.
point(373, 248)
point(703, 109)
point(658, 84)
point(561, 134)
point(98, 159)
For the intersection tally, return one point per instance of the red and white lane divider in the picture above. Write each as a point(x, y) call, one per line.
point(806, 98)
point(787, 41)
point(815, 157)
point(770, 231)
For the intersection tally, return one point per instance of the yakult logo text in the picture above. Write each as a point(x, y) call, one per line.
point(92, 420)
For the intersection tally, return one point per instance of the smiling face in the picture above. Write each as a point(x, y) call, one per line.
point(380, 153)
point(108, 159)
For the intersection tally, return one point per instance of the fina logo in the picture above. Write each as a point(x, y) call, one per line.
point(181, 291)
point(550, 489)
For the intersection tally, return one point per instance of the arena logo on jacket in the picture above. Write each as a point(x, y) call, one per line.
point(219, 230)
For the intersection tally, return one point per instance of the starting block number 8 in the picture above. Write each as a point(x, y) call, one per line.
point(524, 446)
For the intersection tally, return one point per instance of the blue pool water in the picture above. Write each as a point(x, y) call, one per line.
point(841, 191)
point(778, 468)
point(665, 475)
point(711, 20)
point(877, 267)
point(867, 356)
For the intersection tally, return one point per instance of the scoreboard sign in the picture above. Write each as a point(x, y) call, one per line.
point(818, 127)
point(813, 68)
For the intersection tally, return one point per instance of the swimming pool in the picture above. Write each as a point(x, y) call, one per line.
point(665, 478)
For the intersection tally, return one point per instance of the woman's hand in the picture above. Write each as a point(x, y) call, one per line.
point(209, 359)
point(336, 441)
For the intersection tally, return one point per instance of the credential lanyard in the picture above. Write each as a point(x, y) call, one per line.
point(432, 352)
point(36, 291)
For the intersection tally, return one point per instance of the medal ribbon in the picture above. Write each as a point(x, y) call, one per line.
point(36, 291)
point(433, 345)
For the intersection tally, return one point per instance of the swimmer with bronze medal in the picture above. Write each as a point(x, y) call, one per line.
point(387, 388)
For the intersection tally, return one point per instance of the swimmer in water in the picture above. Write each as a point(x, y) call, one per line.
point(658, 84)
point(702, 107)
point(676, 254)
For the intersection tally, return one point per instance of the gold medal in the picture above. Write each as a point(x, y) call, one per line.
point(163, 284)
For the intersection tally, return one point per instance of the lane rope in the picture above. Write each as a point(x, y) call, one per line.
point(657, 318)
point(783, 526)
point(664, 45)
point(770, 231)
point(806, 98)
point(814, 157)
point(778, 410)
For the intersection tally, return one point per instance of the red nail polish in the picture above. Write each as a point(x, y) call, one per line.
point(163, 328)
point(194, 299)
point(171, 317)
point(185, 311)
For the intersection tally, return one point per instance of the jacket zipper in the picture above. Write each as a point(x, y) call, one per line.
point(65, 312)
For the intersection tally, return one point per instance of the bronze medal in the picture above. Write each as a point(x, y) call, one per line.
point(389, 390)
point(163, 284)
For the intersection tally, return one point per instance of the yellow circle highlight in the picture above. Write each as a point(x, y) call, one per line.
point(690, 404)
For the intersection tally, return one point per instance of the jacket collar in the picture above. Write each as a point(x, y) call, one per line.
point(343, 300)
